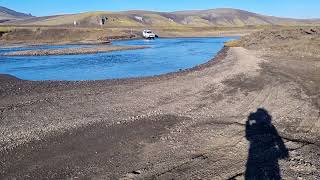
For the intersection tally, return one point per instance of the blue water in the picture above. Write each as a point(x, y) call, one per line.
point(164, 55)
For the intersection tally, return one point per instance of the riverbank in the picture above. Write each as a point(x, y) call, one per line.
point(183, 125)
point(73, 51)
point(69, 35)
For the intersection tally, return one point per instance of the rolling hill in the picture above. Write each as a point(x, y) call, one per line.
point(193, 18)
point(236, 17)
point(137, 18)
point(8, 14)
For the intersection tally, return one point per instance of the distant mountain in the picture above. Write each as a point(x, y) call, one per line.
point(193, 18)
point(8, 14)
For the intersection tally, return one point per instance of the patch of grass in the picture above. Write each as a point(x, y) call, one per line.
point(5, 29)
point(233, 43)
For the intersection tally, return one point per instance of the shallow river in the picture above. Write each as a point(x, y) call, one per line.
point(165, 55)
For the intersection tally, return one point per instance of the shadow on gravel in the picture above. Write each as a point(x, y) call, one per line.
point(266, 147)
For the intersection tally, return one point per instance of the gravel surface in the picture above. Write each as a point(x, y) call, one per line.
point(73, 51)
point(192, 124)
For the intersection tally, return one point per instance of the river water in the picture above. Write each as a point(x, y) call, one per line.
point(164, 55)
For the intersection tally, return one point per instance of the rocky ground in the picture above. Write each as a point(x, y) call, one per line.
point(185, 125)
point(72, 51)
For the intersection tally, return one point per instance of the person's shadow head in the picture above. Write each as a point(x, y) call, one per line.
point(261, 116)
point(266, 147)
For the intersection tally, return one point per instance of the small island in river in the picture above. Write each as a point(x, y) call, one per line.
point(73, 51)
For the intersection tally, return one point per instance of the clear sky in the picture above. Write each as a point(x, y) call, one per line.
point(283, 8)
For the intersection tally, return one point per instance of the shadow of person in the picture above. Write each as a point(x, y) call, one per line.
point(266, 147)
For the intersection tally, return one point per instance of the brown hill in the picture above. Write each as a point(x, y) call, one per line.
point(195, 18)
point(8, 14)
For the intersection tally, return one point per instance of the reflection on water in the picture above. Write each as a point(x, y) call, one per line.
point(165, 55)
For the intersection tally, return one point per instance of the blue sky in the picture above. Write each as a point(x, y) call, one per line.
point(283, 8)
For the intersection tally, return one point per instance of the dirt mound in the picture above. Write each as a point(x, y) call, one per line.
point(298, 42)
point(269, 37)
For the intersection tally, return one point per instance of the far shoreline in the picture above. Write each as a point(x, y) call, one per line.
point(6, 45)
point(73, 51)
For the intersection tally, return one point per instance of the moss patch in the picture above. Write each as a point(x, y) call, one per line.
point(233, 43)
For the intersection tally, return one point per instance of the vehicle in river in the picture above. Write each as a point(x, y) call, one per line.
point(148, 34)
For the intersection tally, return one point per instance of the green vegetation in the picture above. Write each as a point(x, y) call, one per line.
point(5, 29)
point(233, 43)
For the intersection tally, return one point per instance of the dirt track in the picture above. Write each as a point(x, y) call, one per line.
point(186, 125)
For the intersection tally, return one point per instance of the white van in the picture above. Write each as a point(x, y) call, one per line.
point(148, 34)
